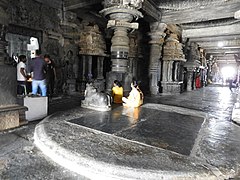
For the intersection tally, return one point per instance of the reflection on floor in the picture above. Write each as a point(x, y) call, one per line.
point(171, 131)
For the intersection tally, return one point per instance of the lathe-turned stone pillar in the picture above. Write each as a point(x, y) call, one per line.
point(92, 44)
point(9, 110)
point(157, 38)
point(120, 15)
point(209, 70)
point(133, 53)
point(84, 74)
point(190, 78)
point(193, 61)
point(89, 68)
point(100, 67)
point(173, 54)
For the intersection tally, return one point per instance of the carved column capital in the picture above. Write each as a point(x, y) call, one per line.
point(157, 33)
point(120, 15)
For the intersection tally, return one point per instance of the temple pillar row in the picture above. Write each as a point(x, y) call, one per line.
point(100, 67)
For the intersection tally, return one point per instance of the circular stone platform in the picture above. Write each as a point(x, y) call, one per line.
point(100, 155)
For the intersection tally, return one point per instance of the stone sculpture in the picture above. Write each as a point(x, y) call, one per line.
point(96, 100)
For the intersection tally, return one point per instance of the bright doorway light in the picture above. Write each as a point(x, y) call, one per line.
point(220, 44)
point(228, 72)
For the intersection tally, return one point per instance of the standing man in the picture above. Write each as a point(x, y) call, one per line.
point(51, 75)
point(38, 68)
point(21, 75)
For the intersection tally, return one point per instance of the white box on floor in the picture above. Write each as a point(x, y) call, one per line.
point(37, 107)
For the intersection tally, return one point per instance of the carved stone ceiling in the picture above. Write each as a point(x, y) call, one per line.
point(210, 23)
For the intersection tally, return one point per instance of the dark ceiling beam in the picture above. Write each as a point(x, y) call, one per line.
point(226, 63)
point(190, 4)
point(151, 10)
point(221, 11)
point(226, 59)
point(215, 38)
point(76, 4)
point(212, 31)
point(53, 3)
point(234, 43)
point(222, 51)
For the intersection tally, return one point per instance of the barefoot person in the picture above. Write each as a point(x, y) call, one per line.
point(135, 98)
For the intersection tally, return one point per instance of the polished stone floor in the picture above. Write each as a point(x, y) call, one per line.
point(194, 124)
point(171, 131)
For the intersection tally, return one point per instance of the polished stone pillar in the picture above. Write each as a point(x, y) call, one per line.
point(176, 71)
point(89, 68)
point(190, 79)
point(157, 38)
point(83, 68)
point(193, 61)
point(133, 53)
point(100, 67)
point(121, 14)
point(173, 55)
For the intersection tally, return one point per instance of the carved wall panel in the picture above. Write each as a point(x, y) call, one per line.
point(71, 60)
point(32, 14)
point(92, 41)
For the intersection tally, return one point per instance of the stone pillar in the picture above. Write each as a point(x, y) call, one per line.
point(92, 43)
point(89, 68)
point(121, 14)
point(190, 79)
point(193, 61)
point(173, 55)
point(209, 70)
point(176, 71)
point(133, 53)
point(83, 68)
point(9, 110)
point(100, 67)
point(157, 38)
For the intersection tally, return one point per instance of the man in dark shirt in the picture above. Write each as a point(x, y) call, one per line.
point(51, 75)
point(39, 68)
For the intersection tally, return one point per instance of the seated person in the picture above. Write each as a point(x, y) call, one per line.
point(117, 92)
point(135, 98)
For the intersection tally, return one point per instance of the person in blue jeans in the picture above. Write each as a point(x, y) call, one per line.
point(38, 68)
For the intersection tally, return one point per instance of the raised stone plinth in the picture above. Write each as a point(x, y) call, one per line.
point(100, 153)
point(9, 116)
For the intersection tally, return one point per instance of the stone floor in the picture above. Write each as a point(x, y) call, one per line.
point(187, 136)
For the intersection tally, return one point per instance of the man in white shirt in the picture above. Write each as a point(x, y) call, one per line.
point(21, 75)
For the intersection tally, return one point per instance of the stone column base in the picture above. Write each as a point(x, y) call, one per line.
point(171, 87)
point(154, 90)
point(71, 87)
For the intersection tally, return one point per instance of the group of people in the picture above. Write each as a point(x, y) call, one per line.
point(40, 70)
point(43, 74)
point(135, 98)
